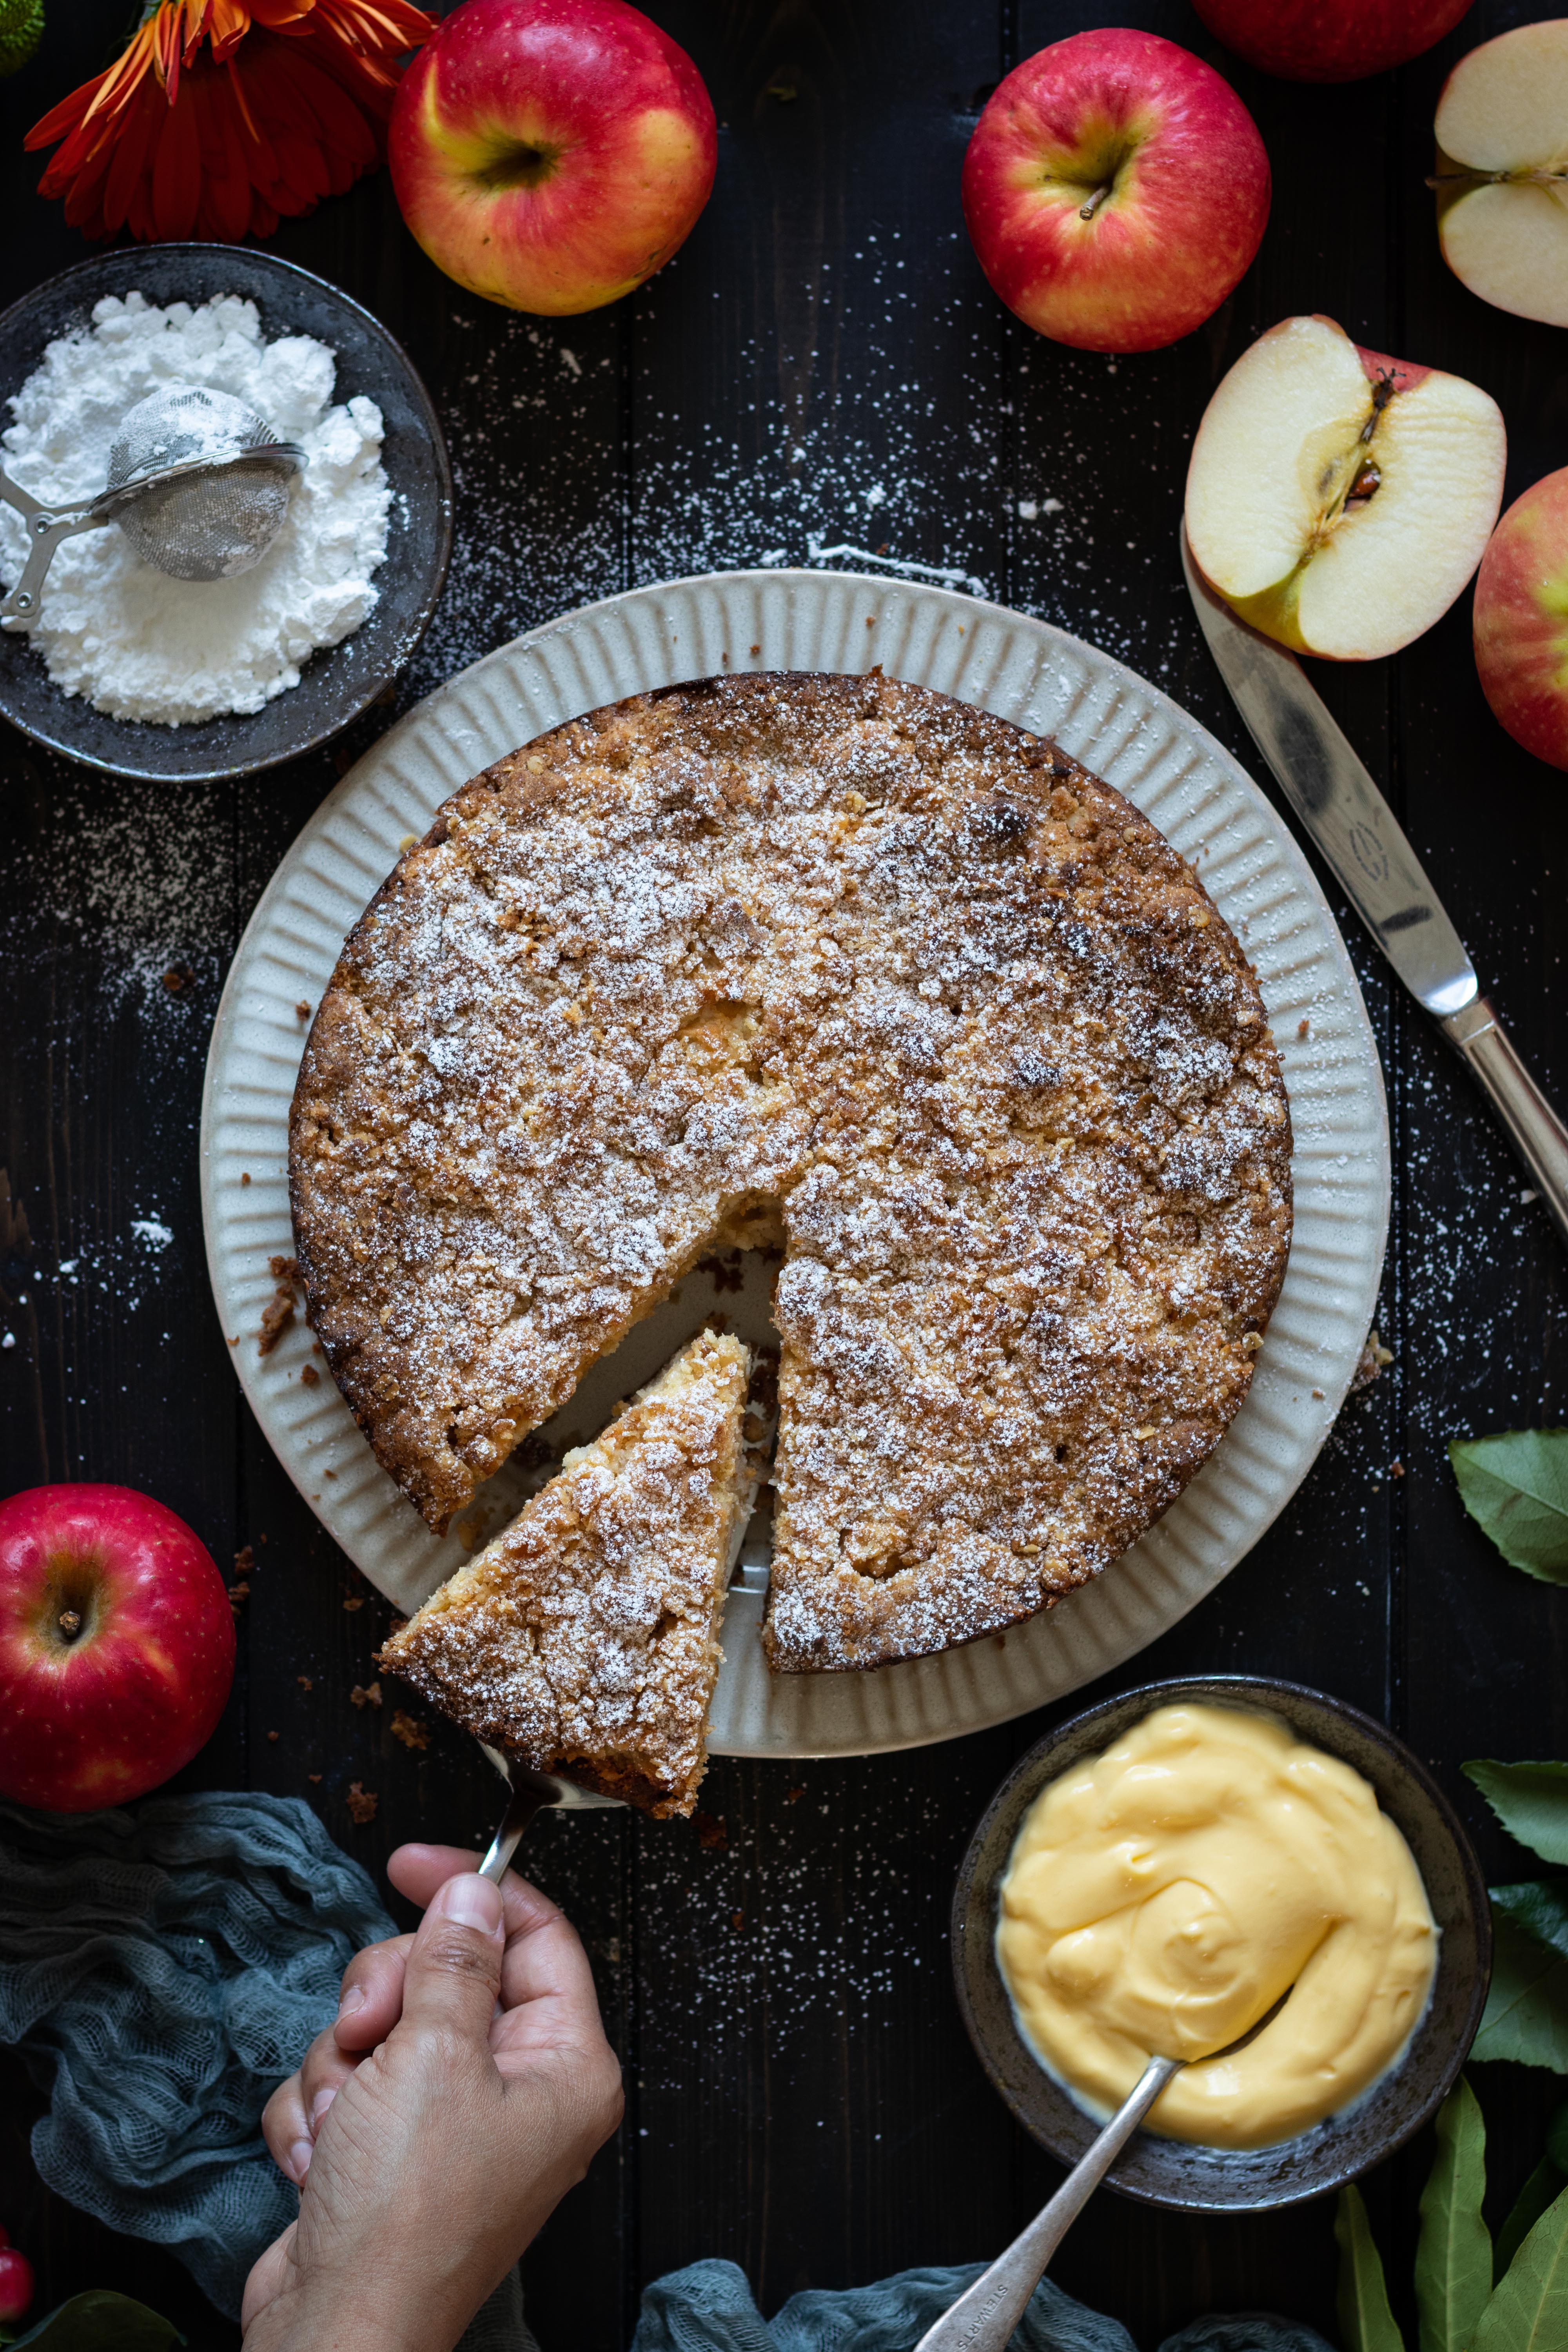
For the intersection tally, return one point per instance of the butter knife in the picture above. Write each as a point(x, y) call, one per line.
point(1354, 828)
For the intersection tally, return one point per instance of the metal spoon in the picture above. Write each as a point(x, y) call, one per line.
point(198, 482)
point(983, 2318)
point(985, 2313)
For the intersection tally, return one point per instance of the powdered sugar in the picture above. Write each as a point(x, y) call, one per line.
point(864, 965)
point(135, 642)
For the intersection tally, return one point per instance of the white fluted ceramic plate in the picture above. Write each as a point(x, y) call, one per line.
point(1025, 671)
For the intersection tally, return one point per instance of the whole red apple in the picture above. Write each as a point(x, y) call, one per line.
point(1115, 190)
point(15, 2283)
point(551, 154)
point(1329, 40)
point(116, 1646)
point(1522, 620)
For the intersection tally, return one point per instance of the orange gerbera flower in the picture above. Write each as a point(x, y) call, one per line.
point(223, 114)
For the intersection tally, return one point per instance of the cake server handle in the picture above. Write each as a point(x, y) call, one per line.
point(1534, 1128)
point(530, 1793)
point(989, 2309)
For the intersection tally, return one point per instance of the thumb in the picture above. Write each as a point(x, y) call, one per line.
point(452, 1974)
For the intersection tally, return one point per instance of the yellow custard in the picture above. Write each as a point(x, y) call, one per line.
point(1162, 1898)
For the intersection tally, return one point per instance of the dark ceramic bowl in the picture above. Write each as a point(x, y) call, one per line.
point(1175, 2172)
point(341, 681)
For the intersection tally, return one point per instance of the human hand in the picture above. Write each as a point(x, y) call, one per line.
point(462, 2090)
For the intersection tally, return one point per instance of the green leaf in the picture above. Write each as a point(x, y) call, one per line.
point(1454, 2254)
point(1366, 2322)
point(1530, 1801)
point(1539, 1905)
point(99, 2321)
point(1545, 2183)
point(1557, 2140)
point(1515, 1485)
point(1528, 2311)
point(1526, 2016)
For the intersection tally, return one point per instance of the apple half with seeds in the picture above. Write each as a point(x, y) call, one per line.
point(1339, 499)
point(1502, 172)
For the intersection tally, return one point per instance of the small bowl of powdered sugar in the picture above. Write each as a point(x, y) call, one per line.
point(129, 669)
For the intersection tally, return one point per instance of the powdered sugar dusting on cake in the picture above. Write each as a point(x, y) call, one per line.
point(584, 1638)
point(843, 955)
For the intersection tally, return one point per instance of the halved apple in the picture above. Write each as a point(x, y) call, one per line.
point(1502, 172)
point(1339, 499)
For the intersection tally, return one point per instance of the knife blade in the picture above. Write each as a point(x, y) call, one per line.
point(1355, 831)
point(1336, 800)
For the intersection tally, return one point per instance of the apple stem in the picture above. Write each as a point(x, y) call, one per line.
point(70, 1623)
point(1087, 211)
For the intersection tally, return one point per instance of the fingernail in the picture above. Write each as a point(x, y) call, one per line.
point(471, 1902)
point(299, 2156)
point(319, 2105)
point(353, 1999)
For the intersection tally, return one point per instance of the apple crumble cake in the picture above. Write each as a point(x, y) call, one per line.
point(586, 1637)
point(840, 964)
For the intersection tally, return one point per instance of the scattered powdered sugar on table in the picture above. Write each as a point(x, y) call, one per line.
point(137, 643)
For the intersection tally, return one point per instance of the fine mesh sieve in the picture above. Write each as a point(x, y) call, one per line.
point(197, 483)
point(217, 521)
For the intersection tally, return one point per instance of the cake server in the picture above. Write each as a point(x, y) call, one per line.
point(1354, 829)
point(531, 1791)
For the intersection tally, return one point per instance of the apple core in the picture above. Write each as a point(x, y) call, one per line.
point(1339, 499)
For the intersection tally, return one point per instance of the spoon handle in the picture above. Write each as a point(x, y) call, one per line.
point(986, 2313)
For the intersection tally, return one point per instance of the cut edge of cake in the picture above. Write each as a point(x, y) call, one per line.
point(584, 1638)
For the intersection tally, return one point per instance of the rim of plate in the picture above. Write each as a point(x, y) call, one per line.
point(1054, 684)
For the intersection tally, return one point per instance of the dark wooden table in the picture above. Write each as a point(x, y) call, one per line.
point(823, 365)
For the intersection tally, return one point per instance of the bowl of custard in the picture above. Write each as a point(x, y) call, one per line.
point(1250, 1876)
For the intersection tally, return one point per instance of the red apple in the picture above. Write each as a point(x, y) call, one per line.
point(552, 154)
point(116, 1646)
point(1329, 40)
point(1115, 190)
point(1522, 620)
point(15, 2283)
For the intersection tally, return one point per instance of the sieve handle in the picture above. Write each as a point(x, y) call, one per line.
point(47, 526)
